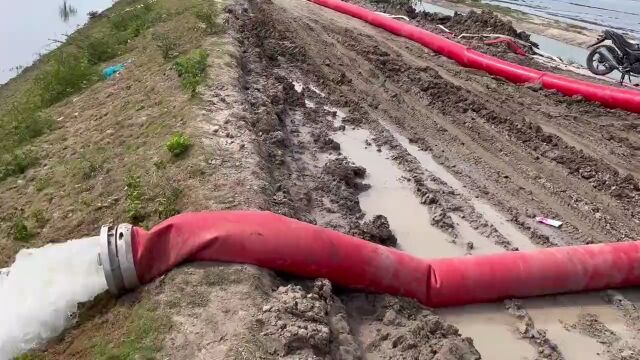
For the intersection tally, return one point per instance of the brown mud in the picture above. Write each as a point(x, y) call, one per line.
point(369, 134)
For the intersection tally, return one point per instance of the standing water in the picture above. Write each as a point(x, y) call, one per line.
point(40, 294)
point(31, 27)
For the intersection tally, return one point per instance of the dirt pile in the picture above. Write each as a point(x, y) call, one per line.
point(473, 22)
point(377, 230)
point(399, 328)
point(345, 171)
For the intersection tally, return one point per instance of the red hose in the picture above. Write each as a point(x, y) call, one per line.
point(606, 95)
point(282, 244)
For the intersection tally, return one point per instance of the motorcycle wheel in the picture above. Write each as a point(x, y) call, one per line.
point(597, 63)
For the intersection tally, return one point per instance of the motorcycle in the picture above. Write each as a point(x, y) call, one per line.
point(623, 56)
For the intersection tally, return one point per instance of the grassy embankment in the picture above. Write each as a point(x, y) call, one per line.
point(79, 151)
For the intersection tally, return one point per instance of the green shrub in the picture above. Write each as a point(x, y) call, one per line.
point(178, 144)
point(133, 22)
point(167, 44)
point(21, 231)
point(67, 73)
point(192, 69)
point(15, 163)
point(24, 121)
point(39, 217)
point(134, 197)
point(208, 15)
point(167, 204)
point(86, 167)
point(42, 183)
point(102, 47)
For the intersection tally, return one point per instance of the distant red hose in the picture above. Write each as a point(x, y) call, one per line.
point(282, 244)
point(606, 95)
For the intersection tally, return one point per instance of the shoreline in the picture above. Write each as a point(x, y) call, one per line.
point(567, 33)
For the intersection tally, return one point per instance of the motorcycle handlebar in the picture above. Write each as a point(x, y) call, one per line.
point(600, 41)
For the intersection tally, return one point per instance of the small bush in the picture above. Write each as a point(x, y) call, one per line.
point(42, 183)
point(39, 217)
point(208, 15)
point(24, 120)
point(21, 231)
point(178, 144)
point(133, 22)
point(134, 197)
point(85, 168)
point(167, 44)
point(192, 69)
point(67, 73)
point(16, 163)
point(102, 47)
point(167, 203)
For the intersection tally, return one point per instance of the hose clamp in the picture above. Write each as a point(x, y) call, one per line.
point(116, 258)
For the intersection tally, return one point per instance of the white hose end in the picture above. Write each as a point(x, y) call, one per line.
point(116, 258)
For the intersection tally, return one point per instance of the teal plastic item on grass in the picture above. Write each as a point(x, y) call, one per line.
point(112, 70)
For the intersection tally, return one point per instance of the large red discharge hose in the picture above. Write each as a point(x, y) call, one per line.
point(283, 244)
point(606, 95)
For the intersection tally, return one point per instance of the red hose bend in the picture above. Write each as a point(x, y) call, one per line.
point(606, 95)
point(282, 244)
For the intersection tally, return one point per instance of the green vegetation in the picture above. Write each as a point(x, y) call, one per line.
point(102, 145)
point(167, 45)
point(166, 205)
point(192, 69)
point(68, 72)
point(29, 356)
point(208, 14)
point(142, 338)
point(102, 46)
point(178, 144)
point(21, 231)
point(132, 22)
point(134, 197)
point(87, 166)
point(39, 217)
point(16, 163)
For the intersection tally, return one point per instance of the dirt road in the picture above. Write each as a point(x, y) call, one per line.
point(348, 122)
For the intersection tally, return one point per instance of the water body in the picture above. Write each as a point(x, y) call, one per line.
point(620, 15)
point(28, 25)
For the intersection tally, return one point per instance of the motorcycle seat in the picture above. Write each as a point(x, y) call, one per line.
point(621, 41)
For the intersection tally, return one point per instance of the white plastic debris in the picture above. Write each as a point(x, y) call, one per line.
point(547, 221)
point(40, 292)
point(393, 16)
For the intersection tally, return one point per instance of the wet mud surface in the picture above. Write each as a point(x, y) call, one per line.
point(375, 136)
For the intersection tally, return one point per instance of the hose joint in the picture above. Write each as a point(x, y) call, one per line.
point(116, 258)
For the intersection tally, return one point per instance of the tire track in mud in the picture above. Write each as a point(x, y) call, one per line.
point(309, 180)
point(295, 143)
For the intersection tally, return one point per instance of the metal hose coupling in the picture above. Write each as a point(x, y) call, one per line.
point(116, 258)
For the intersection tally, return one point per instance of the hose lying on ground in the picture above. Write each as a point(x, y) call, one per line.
point(131, 256)
point(608, 96)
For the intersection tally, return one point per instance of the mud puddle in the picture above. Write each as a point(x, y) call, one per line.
point(394, 198)
point(391, 196)
point(558, 315)
point(490, 325)
point(492, 215)
point(493, 330)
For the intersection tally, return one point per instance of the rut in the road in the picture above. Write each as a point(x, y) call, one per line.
point(300, 64)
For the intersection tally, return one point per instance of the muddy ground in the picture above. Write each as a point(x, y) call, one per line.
point(331, 121)
point(360, 131)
